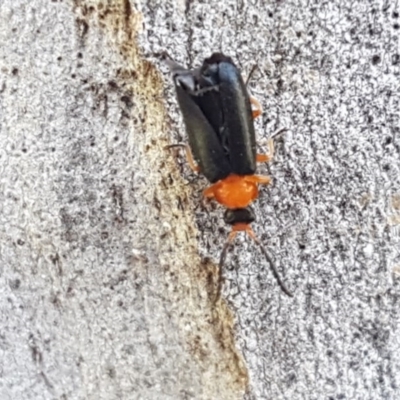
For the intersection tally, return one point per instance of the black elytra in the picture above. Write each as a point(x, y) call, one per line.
point(218, 117)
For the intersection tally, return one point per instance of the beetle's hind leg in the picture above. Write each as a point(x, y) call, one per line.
point(257, 110)
point(189, 155)
point(270, 155)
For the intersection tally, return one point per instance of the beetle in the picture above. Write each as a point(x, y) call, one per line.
point(218, 116)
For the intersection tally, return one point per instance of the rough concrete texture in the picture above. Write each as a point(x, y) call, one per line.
point(107, 250)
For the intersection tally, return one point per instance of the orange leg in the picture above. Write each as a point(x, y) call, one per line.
point(190, 159)
point(209, 192)
point(267, 157)
point(259, 179)
point(262, 158)
point(258, 109)
point(189, 156)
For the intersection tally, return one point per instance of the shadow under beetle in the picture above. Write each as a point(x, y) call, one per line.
point(218, 115)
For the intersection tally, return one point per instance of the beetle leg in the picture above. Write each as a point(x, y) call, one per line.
point(189, 155)
point(209, 192)
point(262, 158)
point(190, 159)
point(260, 179)
point(257, 110)
point(267, 157)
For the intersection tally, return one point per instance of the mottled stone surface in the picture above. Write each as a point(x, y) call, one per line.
point(108, 253)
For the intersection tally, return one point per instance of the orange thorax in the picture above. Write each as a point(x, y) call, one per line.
point(236, 191)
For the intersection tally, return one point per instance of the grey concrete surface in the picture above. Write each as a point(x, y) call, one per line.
point(108, 252)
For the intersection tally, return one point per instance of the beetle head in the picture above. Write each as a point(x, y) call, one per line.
point(239, 216)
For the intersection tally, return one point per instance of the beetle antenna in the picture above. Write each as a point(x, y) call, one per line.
point(253, 69)
point(224, 253)
point(271, 263)
point(222, 258)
